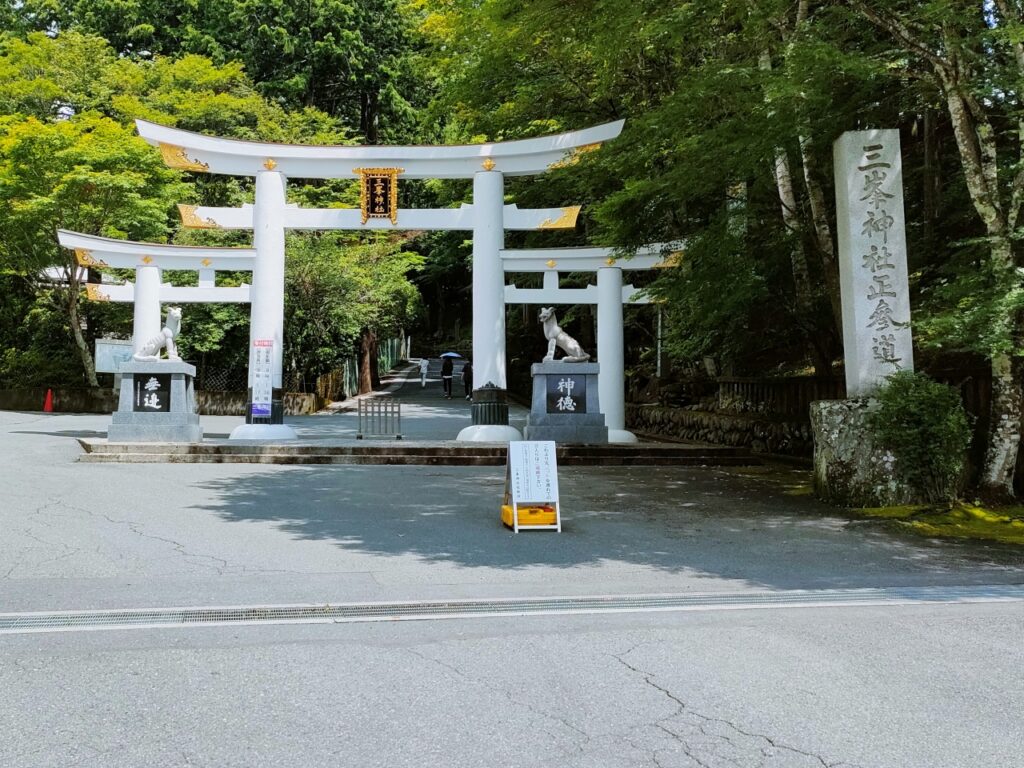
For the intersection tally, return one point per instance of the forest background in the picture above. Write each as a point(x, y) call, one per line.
point(731, 109)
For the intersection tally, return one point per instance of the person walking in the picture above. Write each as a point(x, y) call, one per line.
point(467, 377)
point(424, 364)
point(446, 376)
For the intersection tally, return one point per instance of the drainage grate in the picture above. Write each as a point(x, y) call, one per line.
point(62, 621)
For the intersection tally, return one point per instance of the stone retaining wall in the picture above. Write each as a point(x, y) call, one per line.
point(64, 400)
point(759, 434)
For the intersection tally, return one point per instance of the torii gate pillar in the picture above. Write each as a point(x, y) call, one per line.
point(490, 407)
point(146, 322)
point(611, 385)
point(267, 304)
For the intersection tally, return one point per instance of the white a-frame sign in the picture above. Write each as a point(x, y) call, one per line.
point(531, 487)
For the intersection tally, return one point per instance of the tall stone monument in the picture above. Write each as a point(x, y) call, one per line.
point(872, 258)
point(848, 468)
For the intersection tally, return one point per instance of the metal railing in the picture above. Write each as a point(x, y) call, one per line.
point(777, 396)
point(380, 417)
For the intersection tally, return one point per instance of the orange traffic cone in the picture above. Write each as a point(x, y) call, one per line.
point(48, 402)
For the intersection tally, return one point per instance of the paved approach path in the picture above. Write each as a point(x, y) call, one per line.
point(901, 686)
point(426, 414)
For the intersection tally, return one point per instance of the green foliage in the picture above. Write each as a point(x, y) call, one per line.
point(35, 345)
point(348, 58)
point(337, 285)
point(725, 329)
point(969, 307)
point(86, 173)
point(702, 117)
point(924, 424)
point(70, 158)
point(52, 77)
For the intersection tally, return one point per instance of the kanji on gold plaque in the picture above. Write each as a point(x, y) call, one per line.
point(378, 193)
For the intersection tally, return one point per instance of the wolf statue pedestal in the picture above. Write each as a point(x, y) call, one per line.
point(157, 404)
point(565, 407)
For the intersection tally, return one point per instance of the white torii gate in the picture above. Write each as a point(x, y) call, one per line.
point(149, 260)
point(609, 295)
point(488, 217)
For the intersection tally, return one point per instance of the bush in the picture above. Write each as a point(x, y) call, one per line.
point(924, 424)
point(35, 368)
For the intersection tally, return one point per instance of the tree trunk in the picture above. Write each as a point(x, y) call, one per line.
point(797, 257)
point(76, 330)
point(932, 180)
point(822, 232)
point(374, 360)
point(790, 217)
point(976, 145)
point(439, 311)
point(369, 115)
point(366, 344)
point(1004, 429)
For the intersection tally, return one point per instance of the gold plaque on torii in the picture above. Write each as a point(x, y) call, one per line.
point(378, 193)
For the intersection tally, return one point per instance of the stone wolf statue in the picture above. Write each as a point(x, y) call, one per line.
point(150, 351)
point(558, 338)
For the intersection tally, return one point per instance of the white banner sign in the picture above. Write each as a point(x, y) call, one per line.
point(533, 473)
point(262, 376)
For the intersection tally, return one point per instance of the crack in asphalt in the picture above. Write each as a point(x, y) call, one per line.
point(682, 707)
point(507, 694)
point(220, 565)
point(69, 551)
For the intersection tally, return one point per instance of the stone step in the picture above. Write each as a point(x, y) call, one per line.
point(403, 448)
point(297, 449)
point(400, 452)
point(435, 459)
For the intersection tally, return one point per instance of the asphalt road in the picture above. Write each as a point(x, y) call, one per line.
point(889, 685)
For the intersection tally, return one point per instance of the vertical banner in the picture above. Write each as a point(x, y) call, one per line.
point(262, 377)
point(872, 258)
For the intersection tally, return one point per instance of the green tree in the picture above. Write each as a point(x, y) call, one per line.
point(973, 59)
point(70, 103)
point(719, 111)
point(86, 173)
point(342, 291)
point(349, 58)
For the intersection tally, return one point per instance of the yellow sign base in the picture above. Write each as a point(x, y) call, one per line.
point(529, 516)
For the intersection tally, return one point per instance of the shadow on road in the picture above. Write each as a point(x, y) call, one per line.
point(705, 522)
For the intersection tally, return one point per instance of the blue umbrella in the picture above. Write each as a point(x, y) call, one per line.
point(451, 354)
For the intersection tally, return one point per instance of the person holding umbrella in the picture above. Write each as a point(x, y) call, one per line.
point(446, 373)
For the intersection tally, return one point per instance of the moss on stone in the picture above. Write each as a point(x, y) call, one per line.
point(803, 489)
point(960, 520)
